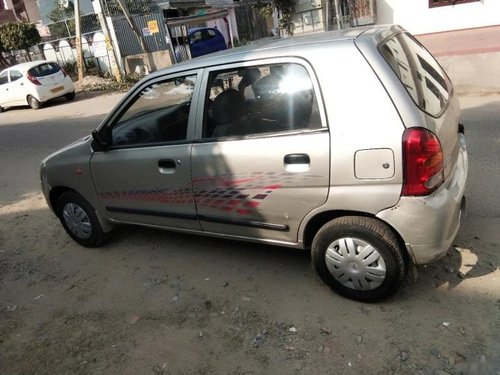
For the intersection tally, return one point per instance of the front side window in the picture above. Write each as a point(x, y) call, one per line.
point(4, 78)
point(158, 114)
point(421, 75)
point(271, 98)
point(15, 75)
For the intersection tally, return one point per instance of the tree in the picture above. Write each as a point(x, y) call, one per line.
point(3, 62)
point(19, 36)
point(64, 20)
point(285, 8)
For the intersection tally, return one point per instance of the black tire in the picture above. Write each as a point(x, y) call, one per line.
point(359, 278)
point(70, 96)
point(33, 102)
point(1, 109)
point(88, 232)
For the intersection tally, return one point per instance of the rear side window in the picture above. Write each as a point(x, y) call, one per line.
point(15, 75)
point(261, 99)
point(420, 74)
point(44, 69)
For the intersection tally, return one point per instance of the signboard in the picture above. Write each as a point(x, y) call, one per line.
point(153, 27)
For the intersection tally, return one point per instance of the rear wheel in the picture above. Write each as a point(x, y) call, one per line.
point(359, 257)
point(70, 96)
point(1, 109)
point(33, 102)
point(79, 220)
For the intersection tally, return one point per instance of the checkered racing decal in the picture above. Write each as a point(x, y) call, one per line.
point(241, 194)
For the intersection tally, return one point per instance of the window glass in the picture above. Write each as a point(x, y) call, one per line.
point(440, 3)
point(44, 69)
point(211, 33)
point(421, 75)
point(158, 114)
point(15, 75)
point(4, 78)
point(196, 36)
point(258, 100)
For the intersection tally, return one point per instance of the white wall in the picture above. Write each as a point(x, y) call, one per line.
point(418, 18)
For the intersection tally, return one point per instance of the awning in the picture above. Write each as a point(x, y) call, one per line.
point(195, 20)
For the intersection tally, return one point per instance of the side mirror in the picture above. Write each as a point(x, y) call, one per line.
point(99, 144)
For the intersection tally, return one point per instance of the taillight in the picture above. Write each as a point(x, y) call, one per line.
point(33, 79)
point(422, 161)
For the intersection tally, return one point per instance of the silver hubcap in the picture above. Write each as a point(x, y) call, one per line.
point(355, 264)
point(77, 220)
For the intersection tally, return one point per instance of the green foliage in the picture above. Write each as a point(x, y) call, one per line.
point(134, 7)
point(19, 36)
point(64, 19)
point(70, 67)
point(286, 9)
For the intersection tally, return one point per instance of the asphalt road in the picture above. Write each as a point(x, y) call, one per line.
point(165, 303)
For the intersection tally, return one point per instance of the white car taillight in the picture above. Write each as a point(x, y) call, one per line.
point(33, 79)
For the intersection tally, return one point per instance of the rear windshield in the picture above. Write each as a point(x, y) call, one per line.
point(419, 72)
point(45, 69)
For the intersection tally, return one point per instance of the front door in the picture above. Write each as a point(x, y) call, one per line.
point(145, 176)
point(263, 162)
point(5, 97)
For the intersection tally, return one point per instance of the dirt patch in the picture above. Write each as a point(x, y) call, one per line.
point(163, 303)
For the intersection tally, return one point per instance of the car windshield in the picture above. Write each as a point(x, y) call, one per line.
point(45, 69)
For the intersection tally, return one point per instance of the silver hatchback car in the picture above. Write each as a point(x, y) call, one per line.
point(346, 143)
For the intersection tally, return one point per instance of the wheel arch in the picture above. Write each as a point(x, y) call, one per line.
point(57, 191)
point(320, 219)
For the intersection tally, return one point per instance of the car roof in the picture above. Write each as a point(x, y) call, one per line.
point(270, 47)
point(23, 67)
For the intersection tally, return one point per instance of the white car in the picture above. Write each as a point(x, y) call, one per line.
point(34, 83)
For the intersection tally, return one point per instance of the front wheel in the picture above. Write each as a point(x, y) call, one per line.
point(359, 257)
point(70, 96)
point(79, 220)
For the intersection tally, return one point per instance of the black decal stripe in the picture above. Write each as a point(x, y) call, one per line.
point(246, 223)
point(134, 211)
point(174, 215)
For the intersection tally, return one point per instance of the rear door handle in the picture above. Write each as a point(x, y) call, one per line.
point(297, 159)
point(166, 166)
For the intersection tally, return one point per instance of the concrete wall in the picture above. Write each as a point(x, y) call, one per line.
point(418, 18)
point(473, 74)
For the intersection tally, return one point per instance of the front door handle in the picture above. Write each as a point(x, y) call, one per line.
point(166, 166)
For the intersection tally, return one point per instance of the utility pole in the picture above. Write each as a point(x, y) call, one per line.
point(97, 4)
point(78, 32)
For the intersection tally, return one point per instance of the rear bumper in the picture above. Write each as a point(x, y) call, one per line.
point(46, 93)
point(428, 225)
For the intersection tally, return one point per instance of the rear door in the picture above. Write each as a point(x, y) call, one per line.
point(263, 160)
point(145, 176)
point(17, 88)
point(4, 88)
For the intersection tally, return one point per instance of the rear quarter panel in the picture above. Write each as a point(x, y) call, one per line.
point(361, 116)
